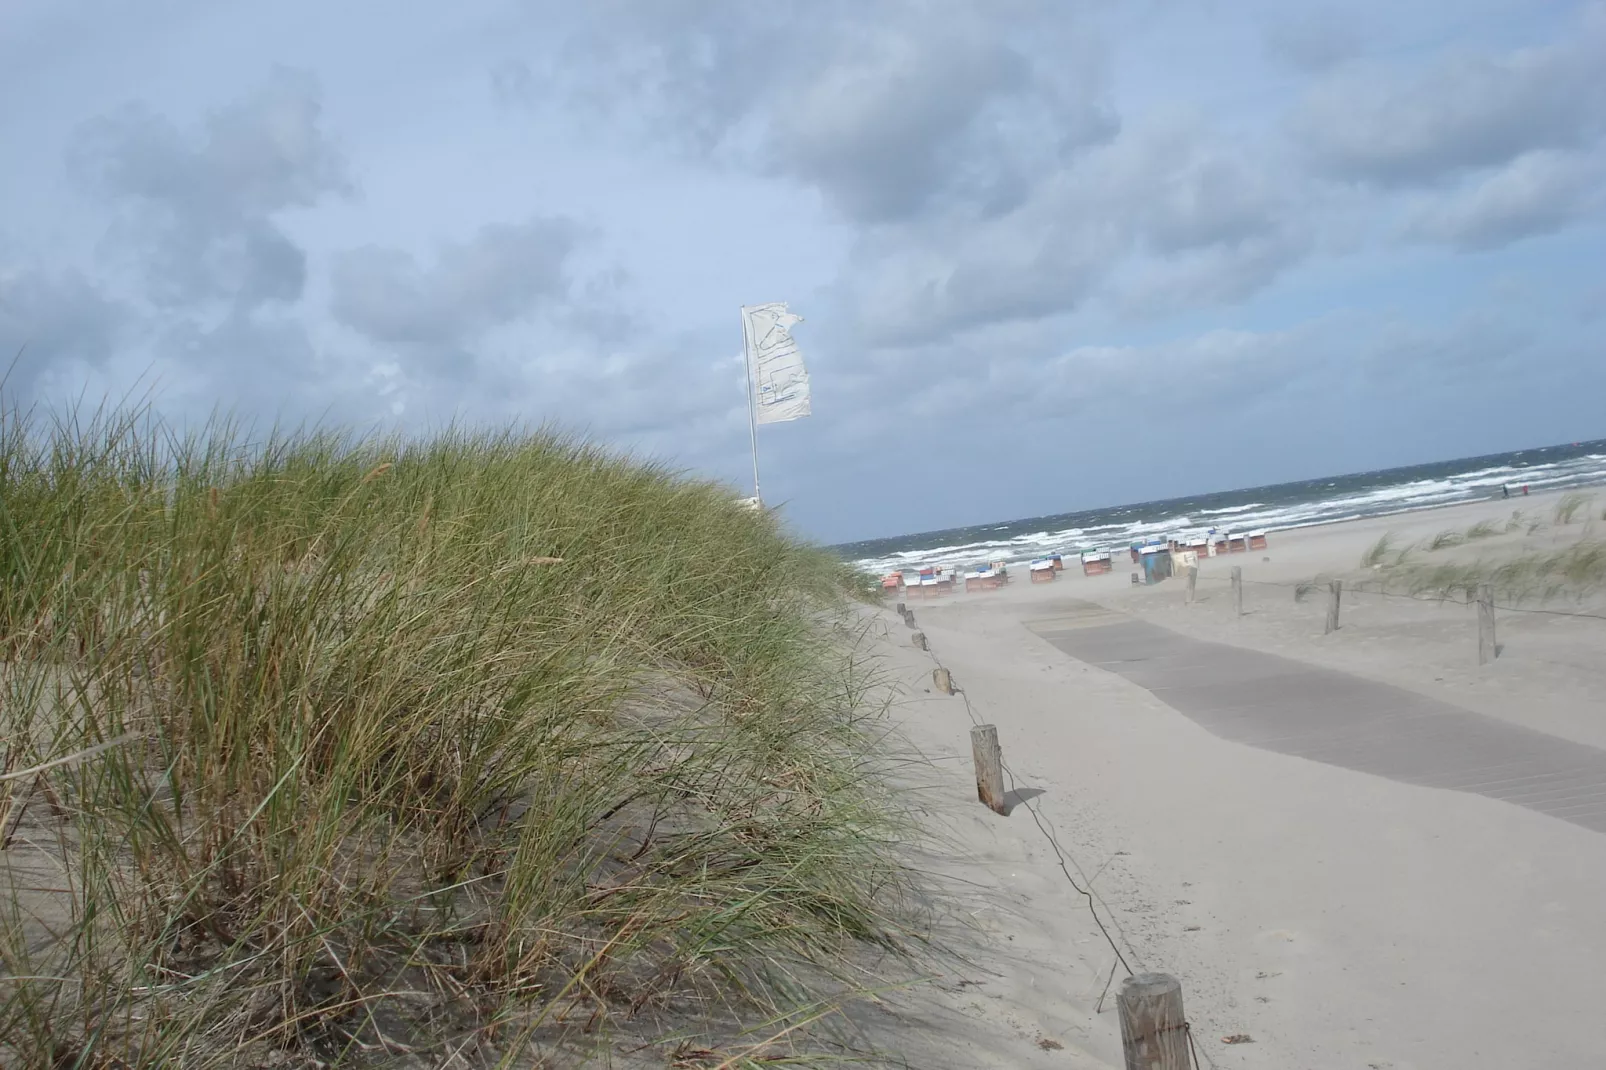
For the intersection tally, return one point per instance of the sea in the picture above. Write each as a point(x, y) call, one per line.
point(1273, 508)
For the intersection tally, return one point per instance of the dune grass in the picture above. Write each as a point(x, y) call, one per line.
point(1573, 573)
point(1377, 554)
point(1570, 507)
point(1446, 540)
point(372, 751)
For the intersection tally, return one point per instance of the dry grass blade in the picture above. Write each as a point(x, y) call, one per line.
point(69, 759)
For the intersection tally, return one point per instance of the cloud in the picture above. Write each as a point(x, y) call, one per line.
point(198, 209)
point(1168, 215)
point(978, 157)
point(1315, 40)
point(51, 322)
point(1537, 193)
point(889, 111)
point(1464, 112)
point(902, 122)
point(504, 274)
point(259, 361)
point(513, 84)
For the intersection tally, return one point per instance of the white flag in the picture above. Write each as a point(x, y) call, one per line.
point(780, 382)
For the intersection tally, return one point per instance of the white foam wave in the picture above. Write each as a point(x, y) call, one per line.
point(1473, 485)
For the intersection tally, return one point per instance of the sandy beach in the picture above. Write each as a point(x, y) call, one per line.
point(1338, 917)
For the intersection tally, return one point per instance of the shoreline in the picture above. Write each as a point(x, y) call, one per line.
point(952, 559)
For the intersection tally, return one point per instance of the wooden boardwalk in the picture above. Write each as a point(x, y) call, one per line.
point(1337, 718)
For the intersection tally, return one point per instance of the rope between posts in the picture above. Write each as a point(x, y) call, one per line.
point(1049, 836)
point(1060, 854)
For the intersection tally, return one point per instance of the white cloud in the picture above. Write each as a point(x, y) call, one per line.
point(1537, 193)
point(1391, 124)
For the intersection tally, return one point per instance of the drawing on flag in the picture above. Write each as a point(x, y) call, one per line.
point(780, 382)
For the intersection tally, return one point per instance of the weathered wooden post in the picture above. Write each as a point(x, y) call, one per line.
point(1154, 1033)
point(1487, 650)
point(1193, 581)
point(1238, 590)
point(1335, 592)
point(989, 766)
point(919, 640)
point(942, 680)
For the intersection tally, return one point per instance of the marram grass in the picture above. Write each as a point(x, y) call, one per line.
point(417, 751)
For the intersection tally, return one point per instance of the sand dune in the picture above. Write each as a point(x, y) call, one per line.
point(1339, 918)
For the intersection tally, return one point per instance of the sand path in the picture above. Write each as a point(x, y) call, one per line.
point(1340, 917)
point(1338, 718)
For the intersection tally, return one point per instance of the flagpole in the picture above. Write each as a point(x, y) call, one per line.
point(752, 412)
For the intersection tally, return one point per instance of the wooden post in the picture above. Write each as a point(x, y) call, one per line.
point(1336, 590)
point(909, 617)
point(1487, 650)
point(1238, 590)
point(942, 680)
point(1154, 1034)
point(919, 640)
point(1193, 581)
point(989, 766)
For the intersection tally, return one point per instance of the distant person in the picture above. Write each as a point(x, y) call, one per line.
point(1505, 491)
point(1525, 490)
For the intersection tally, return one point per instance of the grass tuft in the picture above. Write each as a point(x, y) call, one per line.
point(1378, 552)
point(1445, 540)
point(1569, 507)
point(479, 742)
point(1573, 572)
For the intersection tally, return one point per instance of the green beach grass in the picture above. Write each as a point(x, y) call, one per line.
point(329, 751)
point(1572, 569)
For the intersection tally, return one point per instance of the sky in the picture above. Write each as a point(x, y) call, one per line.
point(1050, 255)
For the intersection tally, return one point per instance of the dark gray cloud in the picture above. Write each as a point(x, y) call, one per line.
point(198, 208)
point(433, 315)
point(1394, 126)
point(52, 321)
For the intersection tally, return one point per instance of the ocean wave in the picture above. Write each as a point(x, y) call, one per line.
point(1232, 509)
point(1308, 504)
